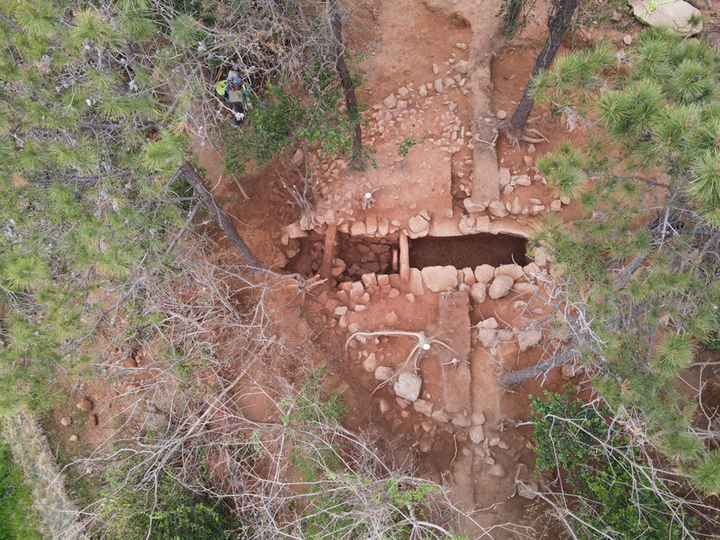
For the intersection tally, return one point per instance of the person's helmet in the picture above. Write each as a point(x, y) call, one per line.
point(233, 75)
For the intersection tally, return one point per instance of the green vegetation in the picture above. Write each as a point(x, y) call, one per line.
point(18, 520)
point(281, 120)
point(167, 512)
point(612, 490)
point(404, 146)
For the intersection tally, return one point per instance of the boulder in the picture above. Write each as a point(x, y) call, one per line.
point(390, 101)
point(478, 293)
point(66, 421)
point(500, 287)
point(383, 373)
point(529, 338)
point(673, 15)
point(512, 270)
point(408, 386)
point(461, 67)
point(476, 434)
point(295, 231)
point(484, 273)
point(440, 278)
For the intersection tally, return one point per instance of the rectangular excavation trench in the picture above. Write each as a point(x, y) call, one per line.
point(364, 255)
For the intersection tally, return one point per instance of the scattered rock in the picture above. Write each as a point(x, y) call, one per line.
point(497, 470)
point(422, 91)
point(391, 318)
point(408, 386)
point(500, 287)
point(438, 86)
point(298, 158)
point(529, 338)
point(568, 371)
point(504, 176)
point(440, 278)
point(383, 373)
point(461, 67)
point(92, 420)
point(341, 310)
point(85, 405)
point(418, 224)
point(627, 39)
point(435, 69)
point(390, 101)
point(556, 205)
point(497, 209)
point(461, 421)
point(425, 445)
point(423, 407)
point(476, 434)
point(501, 115)
point(478, 292)
point(66, 421)
point(295, 231)
point(524, 491)
point(370, 363)
point(461, 46)
point(73, 438)
point(384, 406)
point(441, 416)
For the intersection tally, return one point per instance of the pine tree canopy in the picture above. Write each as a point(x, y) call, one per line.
point(641, 264)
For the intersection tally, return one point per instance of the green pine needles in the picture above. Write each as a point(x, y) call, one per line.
point(641, 262)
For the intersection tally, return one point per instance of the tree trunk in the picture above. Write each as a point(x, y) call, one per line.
point(221, 218)
point(559, 24)
point(567, 354)
point(346, 81)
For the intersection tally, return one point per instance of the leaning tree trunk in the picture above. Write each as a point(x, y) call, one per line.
point(567, 354)
point(559, 24)
point(346, 81)
point(189, 172)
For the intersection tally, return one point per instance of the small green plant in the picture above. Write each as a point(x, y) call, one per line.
point(404, 146)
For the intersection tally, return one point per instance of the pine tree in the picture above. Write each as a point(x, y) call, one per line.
point(641, 262)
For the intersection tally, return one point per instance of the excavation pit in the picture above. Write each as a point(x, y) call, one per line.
point(468, 251)
point(357, 255)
